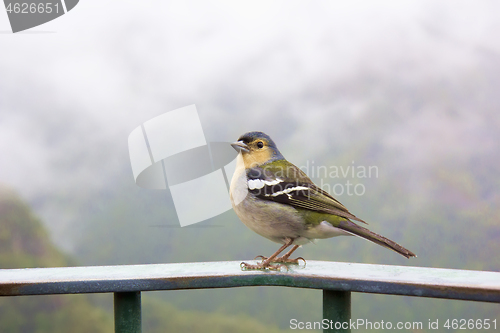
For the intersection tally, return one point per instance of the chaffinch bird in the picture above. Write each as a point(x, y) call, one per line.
point(278, 201)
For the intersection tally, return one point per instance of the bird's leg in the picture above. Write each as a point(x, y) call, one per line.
point(267, 262)
point(284, 258)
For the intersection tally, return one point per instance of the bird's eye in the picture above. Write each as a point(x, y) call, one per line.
point(260, 144)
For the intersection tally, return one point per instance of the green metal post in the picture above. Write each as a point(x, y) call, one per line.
point(337, 310)
point(128, 312)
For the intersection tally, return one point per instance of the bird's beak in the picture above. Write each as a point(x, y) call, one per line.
point(240, 146)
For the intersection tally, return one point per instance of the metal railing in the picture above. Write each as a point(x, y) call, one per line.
point(336, 279)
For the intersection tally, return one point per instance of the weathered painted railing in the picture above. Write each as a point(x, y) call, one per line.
point(336, 279)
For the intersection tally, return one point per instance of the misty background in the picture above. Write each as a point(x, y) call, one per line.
point(411, 87)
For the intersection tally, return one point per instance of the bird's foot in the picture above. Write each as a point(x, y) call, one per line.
point(262, 266)
point(283, 259)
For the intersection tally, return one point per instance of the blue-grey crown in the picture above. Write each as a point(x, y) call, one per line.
point(251, 136)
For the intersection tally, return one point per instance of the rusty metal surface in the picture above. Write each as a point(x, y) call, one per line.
point(380, 279)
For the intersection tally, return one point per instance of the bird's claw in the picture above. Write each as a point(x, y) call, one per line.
point(283, 260)
point(262, 266)
point(296, 261)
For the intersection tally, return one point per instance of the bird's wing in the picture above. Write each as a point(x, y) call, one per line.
point(281, 181)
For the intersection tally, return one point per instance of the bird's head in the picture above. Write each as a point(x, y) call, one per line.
point(257, 148)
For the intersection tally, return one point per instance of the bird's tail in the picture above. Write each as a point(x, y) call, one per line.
point(356, 230)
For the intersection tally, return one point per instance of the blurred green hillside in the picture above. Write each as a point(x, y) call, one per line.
point(24, 243)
